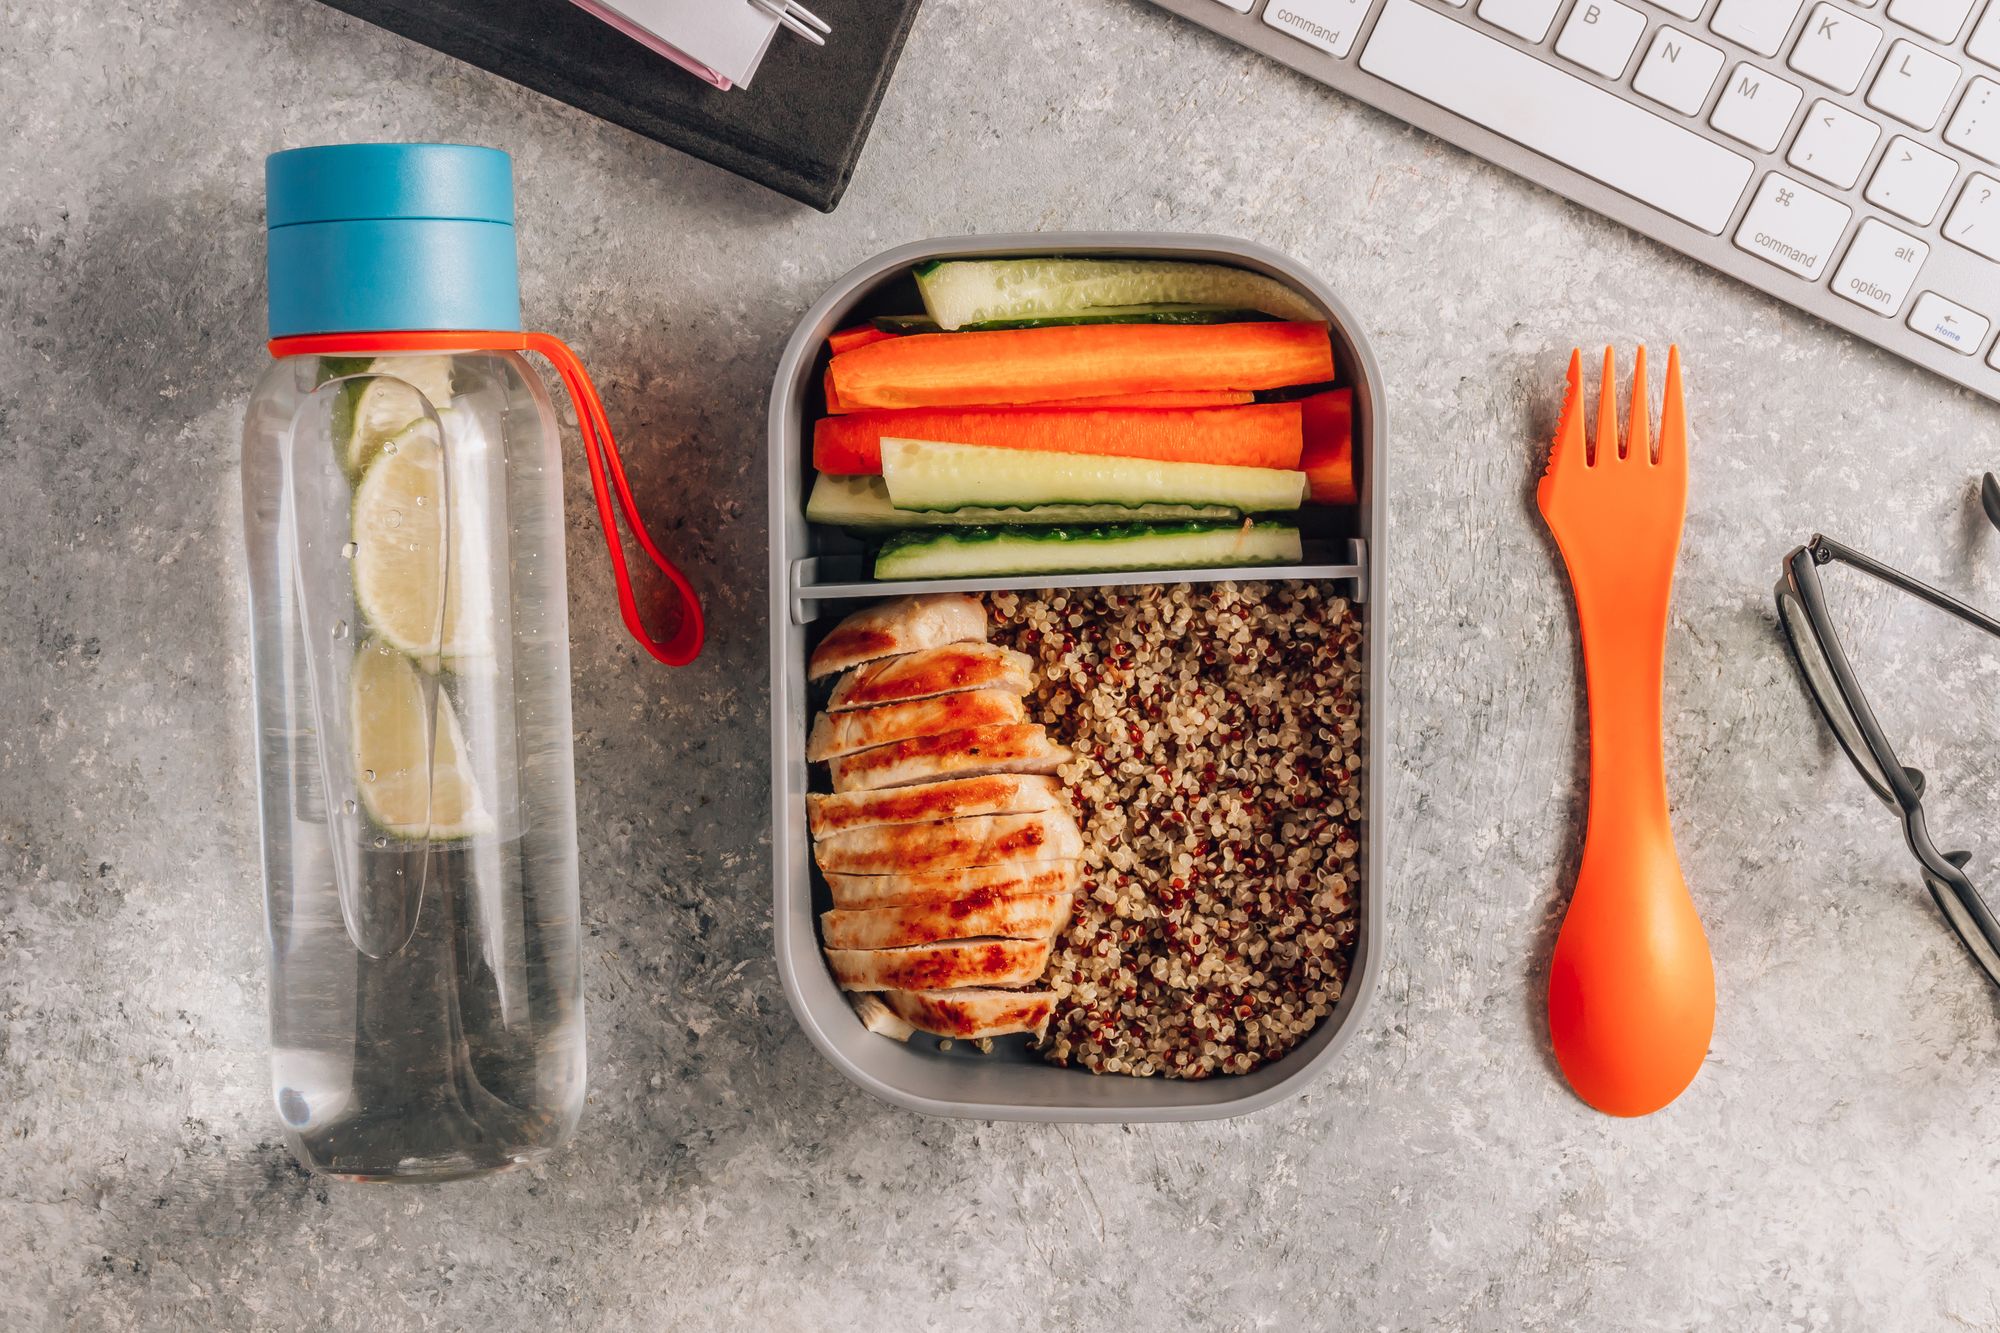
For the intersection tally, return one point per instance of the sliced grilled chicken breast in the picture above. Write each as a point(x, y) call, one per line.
point(934, 671)
point(1006, 747)
point(972, 1014)
point(861, 891)
point(865, 728)
point(951, 844)
point(954, 798)
point(899, 625)
point(1015, 916)
point(984, 962)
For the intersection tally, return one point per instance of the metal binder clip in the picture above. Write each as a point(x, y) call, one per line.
point(797, 18)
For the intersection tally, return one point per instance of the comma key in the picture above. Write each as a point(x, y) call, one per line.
point(1833, 143)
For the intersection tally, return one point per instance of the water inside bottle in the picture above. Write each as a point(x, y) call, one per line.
point(452, 1055)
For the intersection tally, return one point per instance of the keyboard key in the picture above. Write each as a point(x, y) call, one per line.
point(1975, 219)
point(1880, 268)
point(1240, 6)
point(1682, 9)
point(1910, 180)
point(1760, 25)
point(1975, 126)
point(1792, 226)
point(1939, 19)
point(1835, 48)
point(1528, 19)
point(1984, 43)
point(1678, 71)
point(1591, 131)
point(1600, 36)
point(1913, 84)
point(1948, 322)
point(1328, 24)
point(1755, 107)
point(1834, 144)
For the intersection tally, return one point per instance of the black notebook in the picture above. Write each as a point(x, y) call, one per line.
point(798, 128)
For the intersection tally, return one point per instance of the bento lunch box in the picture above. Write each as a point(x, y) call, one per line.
point(819, 575)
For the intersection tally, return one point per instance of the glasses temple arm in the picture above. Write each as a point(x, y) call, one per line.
point(1826, 548)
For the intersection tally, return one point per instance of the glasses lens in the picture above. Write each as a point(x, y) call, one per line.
point(1968, 914)
point(1826, 692)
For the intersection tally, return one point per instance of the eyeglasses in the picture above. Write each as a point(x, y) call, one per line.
point(1823, 663)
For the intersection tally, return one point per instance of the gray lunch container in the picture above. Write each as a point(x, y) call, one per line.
point(819, 575)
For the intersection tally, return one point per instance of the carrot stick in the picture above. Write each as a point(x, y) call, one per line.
point(1258, 435)
point(1165, 398)
point(1079, 361)
point(1191, 398)
point(846, 340)
point(1328, 459)
point(832, 399)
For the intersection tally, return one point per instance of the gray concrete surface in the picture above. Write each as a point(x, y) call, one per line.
point(1832, 1168)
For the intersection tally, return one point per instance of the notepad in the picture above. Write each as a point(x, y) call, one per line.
point(798, 131)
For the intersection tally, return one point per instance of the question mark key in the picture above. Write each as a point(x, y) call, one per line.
point(1975, 219)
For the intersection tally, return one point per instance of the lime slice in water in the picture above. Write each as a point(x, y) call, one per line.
point(385, 405)
point(400, 580)
point(403, 796)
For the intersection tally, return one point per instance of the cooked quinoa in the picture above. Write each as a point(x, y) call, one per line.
point(1217, 780)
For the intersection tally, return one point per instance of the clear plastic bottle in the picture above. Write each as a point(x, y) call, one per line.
point(404, 522)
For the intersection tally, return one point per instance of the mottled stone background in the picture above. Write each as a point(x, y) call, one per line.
point(1832, 1168)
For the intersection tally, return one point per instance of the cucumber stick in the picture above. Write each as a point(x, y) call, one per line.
point(922, 475)
point(975, 291)
point(1108, 314)
point(863, 503)
point(981, 552)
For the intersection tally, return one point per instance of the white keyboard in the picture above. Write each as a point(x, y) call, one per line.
point(1842, 155)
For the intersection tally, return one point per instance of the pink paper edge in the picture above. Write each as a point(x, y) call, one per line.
point(652, 42)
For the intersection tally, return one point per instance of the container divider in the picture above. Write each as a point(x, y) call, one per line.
point(803, 607)
point(1357, 556)
point(805, 593)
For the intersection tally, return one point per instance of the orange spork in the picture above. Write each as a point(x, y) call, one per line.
point(1631, 986)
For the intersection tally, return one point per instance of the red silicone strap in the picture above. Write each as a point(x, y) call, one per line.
point(600, 450)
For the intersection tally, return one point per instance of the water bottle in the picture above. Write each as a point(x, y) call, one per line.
point(403, 513)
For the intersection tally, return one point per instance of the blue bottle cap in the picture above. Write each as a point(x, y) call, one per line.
point(384, 236)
